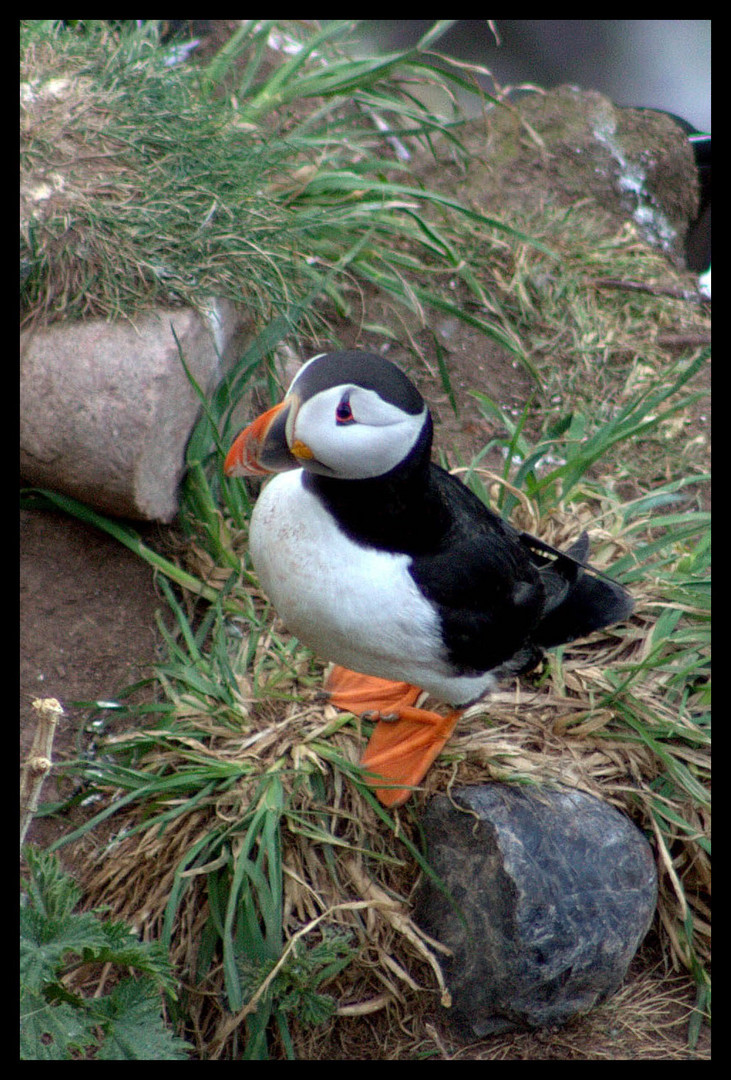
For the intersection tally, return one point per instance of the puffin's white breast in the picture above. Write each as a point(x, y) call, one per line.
point(352, 604)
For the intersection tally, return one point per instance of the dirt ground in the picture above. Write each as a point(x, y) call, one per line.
point(87, 629)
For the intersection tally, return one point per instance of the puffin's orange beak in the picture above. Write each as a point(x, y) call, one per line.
point(262, 447)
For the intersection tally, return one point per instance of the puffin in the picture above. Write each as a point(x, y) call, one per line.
point(389, 567)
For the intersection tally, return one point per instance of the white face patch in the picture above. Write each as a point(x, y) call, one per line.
point(374, 440)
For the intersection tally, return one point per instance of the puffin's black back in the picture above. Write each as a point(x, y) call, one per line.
point(503, 595)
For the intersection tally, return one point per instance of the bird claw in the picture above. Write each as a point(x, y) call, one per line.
point(374, 714)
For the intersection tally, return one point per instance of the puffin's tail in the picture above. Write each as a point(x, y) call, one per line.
point(580, 599)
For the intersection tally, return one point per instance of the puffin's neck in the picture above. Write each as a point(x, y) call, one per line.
point(399, 511)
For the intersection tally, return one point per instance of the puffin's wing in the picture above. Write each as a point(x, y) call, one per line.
point(482, 579)
point(488, 595)
point(499, 592)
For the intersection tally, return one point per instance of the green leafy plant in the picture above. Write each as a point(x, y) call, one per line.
point(56, 941)
point(289, 987)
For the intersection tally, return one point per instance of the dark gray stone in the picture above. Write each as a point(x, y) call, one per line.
point(552, 892)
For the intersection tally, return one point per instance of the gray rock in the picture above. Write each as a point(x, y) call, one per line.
point(616, 163)
point(552, 892)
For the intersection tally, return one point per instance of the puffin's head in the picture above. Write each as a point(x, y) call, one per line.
point(347, 415)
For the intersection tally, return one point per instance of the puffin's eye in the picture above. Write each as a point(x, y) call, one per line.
point(344, 413)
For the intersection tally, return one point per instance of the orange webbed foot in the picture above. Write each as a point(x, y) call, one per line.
point(402, 748)
point(352, 692)
point(403, 751)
